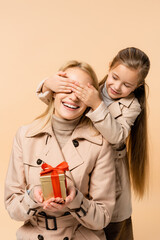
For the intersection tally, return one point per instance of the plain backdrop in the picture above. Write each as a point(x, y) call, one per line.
point(37, 37)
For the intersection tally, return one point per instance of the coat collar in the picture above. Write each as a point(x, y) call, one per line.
point(52, 154)
point(125, 101)
point(116, 109)
point(80, 132)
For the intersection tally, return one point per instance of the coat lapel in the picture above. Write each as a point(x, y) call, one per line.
point(71, 155)
point(116, 107)
point(53, 155)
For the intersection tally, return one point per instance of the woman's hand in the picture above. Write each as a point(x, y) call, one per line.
point(36, 194)
point(87, 94)
point(56, 204)
point(59, 82)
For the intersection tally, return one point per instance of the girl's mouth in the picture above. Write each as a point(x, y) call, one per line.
point(113, 91)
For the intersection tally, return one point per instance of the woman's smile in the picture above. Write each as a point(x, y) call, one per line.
point(70, 106)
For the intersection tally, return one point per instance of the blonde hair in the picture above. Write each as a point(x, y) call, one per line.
point(137, 141)
point(45, 118)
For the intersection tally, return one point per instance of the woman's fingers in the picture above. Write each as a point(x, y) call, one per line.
point(71, 194)
point(37, 194)
point(52, 205)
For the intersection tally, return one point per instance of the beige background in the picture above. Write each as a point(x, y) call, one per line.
point(38, 36)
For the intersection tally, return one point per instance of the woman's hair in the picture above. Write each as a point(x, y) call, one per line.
point(46, 117)
point(137, 141)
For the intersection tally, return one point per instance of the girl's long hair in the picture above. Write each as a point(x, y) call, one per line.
point(137, 141)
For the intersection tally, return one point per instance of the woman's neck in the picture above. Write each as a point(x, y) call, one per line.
point(63, 128)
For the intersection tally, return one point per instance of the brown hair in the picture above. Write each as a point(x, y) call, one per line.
point(137, 141)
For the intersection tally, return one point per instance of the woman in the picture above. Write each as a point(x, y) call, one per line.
point(62, 133)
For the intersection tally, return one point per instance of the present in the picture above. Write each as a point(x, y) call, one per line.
point(53, 180)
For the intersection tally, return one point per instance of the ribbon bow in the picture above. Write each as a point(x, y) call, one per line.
point(61, 168)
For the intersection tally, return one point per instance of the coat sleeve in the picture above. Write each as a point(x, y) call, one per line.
point(115, 129)
point(95, 211)
point(17, 201)
point(46, 96)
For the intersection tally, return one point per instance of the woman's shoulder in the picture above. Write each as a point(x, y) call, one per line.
point(90, 133)
point(22, 130)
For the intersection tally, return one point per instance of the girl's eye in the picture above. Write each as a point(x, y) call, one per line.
point(114, 77)
point(126, 85)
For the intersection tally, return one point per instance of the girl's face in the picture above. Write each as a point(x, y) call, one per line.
point(67, 105)
point(121, 81)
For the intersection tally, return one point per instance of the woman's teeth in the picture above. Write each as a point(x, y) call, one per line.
point(70, 106)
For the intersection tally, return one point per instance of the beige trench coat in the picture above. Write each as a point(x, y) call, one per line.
point(114, 123)
point(91, 165)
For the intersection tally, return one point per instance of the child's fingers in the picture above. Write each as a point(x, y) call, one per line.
point(67, 81)
point(80, 95)
point(79, 88)
point(64, 90)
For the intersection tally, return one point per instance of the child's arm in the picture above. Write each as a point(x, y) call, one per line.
point(114, 122)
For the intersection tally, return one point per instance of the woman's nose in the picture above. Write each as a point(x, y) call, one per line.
point(73, 96)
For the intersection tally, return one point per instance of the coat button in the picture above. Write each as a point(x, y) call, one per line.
point(75, 143)
point(66, 238)
point(40, 237)
point(39, 161)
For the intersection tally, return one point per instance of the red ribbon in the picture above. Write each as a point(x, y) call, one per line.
point(59, 169)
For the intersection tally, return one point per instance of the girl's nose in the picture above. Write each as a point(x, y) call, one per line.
point(117, 85)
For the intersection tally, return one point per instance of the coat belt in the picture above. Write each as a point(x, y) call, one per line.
point(53, 223)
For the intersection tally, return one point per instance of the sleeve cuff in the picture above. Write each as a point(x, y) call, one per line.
point(79, 206)
point(99, 114)
point(29, 202)
point(46, 96)
point(39, 88)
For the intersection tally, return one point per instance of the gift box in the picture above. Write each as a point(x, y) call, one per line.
point(53, 180)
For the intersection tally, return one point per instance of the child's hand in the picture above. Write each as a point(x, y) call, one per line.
point(88, 94)
point(56, 204)
point(59, 82)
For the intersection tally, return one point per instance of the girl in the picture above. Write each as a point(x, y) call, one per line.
point(119, 114)
point(62, 133)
